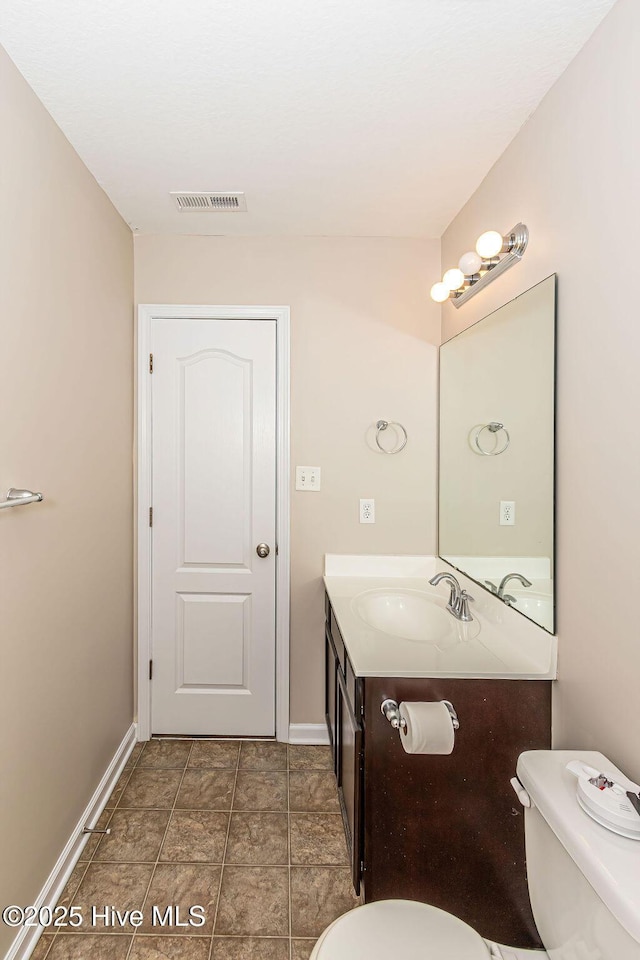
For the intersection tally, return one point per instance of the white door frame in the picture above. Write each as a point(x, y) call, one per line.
point(147, 313)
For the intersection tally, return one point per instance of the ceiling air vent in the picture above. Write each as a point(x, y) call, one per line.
point(210, 202)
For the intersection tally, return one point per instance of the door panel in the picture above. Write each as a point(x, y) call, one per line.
point(220, 384)
point(349, 748)
point(214, 489)
point(205, 659)
point(331, 668)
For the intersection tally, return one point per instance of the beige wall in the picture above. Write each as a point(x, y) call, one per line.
point(66, 429)
point(571, 175)
point(363, 330)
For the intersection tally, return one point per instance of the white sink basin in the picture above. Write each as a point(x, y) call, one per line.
point(537, 606)
point(412, 615)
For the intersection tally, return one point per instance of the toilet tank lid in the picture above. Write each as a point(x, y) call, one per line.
point(609, 862)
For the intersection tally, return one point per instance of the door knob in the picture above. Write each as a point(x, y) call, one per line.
point(263, 550)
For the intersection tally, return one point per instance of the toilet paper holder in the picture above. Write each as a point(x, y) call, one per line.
point(390, 709)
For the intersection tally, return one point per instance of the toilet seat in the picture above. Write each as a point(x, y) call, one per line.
point(404, 928)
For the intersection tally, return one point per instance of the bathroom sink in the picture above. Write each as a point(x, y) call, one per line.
point(411, 614)
point(537, 606)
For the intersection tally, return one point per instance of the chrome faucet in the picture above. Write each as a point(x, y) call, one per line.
point(499, 591)
point(459, 599)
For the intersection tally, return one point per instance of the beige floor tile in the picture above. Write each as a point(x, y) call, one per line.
point(318, 838)
point(118, 790)
point(303, 757)
point(71, 887)
point(319, 895)
point(151, 788)
point(214, 753)
point(136, 836)
point(119, 885)
point(184, 885)
point(254, 901)
point(263, 755)
point(231, 801)
point(170, 948)
point(301, 949)
point(91, 845)
point(260, 790)
point(165, 754)
point(89, 947)
point(42, 947)
point(197, 836)
point(206, 790)
point(249, 948)
point(313, 791)
point(258, 838)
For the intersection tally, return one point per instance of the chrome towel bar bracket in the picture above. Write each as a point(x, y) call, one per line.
point(16, 497)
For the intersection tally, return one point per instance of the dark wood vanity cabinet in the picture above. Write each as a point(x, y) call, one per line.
point(446, 830)
point(343, 706)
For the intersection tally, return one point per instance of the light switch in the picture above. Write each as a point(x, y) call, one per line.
point(308, 478)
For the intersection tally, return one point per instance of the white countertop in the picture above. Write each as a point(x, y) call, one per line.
point(499, 644)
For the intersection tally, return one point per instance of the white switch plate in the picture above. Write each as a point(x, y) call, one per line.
point(507, 513)
point(367, 511)
point(308, 478)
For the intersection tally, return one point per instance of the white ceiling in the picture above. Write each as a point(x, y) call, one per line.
point(336, 117)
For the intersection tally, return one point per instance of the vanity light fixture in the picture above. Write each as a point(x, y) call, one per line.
point(494, 254)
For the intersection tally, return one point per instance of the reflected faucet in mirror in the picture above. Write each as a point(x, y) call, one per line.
point(459, 599)
point(499, 591)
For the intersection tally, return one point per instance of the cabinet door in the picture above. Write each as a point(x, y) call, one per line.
point(331, 690)
point(349, 773)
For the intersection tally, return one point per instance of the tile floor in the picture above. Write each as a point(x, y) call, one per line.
point(249, 830)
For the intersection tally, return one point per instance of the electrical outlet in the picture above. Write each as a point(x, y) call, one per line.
point(367, 511)
point(308, 478)
point(507, 513)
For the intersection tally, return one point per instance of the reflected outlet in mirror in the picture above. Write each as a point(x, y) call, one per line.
point(497, 437)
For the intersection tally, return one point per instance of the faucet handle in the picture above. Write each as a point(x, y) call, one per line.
point(462, 610)
point(492, 586)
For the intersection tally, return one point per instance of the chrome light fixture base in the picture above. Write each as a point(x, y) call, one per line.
point(516, 241)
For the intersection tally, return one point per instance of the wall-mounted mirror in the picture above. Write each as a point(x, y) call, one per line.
point(497, 412)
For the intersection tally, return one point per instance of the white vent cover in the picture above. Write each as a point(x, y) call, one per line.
point(210, 202)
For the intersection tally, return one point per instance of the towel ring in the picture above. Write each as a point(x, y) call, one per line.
point(493, 427)
point(382, 425)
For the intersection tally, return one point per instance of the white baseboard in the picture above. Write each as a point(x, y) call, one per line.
point(25, 942)
point(308, 733)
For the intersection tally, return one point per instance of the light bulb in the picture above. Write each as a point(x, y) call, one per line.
point(440, 292)
point(489, 244)
point(470, 263)
point(453, 279)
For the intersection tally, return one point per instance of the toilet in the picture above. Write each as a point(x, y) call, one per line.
point(584, 886)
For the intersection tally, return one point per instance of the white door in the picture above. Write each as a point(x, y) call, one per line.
point(214, 503)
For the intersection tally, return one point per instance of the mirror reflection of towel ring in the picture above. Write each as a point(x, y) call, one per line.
point(494, 427)
point(382, 425)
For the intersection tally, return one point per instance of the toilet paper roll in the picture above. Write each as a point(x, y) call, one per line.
point(429, 728)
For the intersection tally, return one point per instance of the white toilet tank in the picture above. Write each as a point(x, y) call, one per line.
point(584, 880)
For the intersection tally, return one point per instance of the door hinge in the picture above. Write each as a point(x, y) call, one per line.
point(150, 363)
point(150, 516)
point(150, 669)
